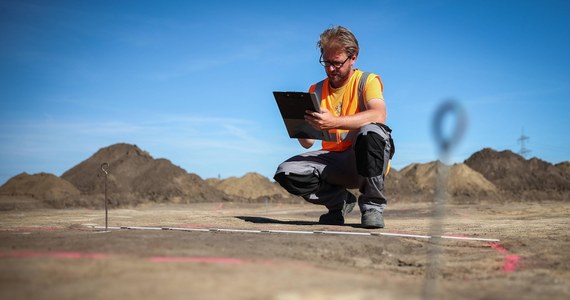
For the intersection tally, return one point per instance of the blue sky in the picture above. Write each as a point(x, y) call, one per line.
point(192, 82)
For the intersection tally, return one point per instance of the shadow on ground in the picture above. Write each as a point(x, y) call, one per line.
point(264, 220)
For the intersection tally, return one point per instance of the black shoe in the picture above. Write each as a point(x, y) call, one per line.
point(372, 219)
point(336, 217)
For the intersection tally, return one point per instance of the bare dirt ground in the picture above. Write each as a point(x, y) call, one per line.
point(56, 254)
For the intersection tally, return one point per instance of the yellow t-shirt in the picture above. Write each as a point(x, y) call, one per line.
point(372, 90)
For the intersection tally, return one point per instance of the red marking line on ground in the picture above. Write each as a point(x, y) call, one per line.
point(510, 262)
point(498, 247)
point(68, 255)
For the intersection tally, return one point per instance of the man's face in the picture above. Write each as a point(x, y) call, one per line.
point(338, 66)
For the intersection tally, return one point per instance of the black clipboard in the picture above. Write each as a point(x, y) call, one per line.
point(292, 106)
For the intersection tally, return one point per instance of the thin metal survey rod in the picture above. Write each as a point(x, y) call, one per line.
point(105, 169)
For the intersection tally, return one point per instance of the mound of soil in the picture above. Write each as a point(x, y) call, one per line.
point(512, 173)
point(564, 168)
point(135, 177)
point(43, 186)
point(462, 180)
point(400, 188)
point(251, 186)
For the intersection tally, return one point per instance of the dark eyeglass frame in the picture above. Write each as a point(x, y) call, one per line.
point(336, 65)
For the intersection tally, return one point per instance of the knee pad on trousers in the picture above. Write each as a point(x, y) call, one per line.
point(299, 185)
point(373, 152)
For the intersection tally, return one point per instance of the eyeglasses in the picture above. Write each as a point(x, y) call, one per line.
point(334, 64)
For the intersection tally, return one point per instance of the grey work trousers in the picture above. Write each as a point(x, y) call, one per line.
point(323, 177)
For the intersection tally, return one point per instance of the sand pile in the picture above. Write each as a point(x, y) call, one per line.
point(462, 180)
point(564, 168)
point(400, 188)
point(251, 186)
point(135, 177)
point(515, 175)
point(45, 187)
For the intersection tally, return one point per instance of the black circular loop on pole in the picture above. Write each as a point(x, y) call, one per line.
point(452, 108)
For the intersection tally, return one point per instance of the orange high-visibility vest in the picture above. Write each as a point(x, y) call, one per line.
point(353, 102)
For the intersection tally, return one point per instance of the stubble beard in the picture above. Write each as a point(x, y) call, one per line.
point(336, 79)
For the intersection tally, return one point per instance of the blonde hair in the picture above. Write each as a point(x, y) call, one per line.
point(338, 38)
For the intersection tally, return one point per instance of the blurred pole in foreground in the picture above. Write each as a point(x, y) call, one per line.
point(449, 123)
